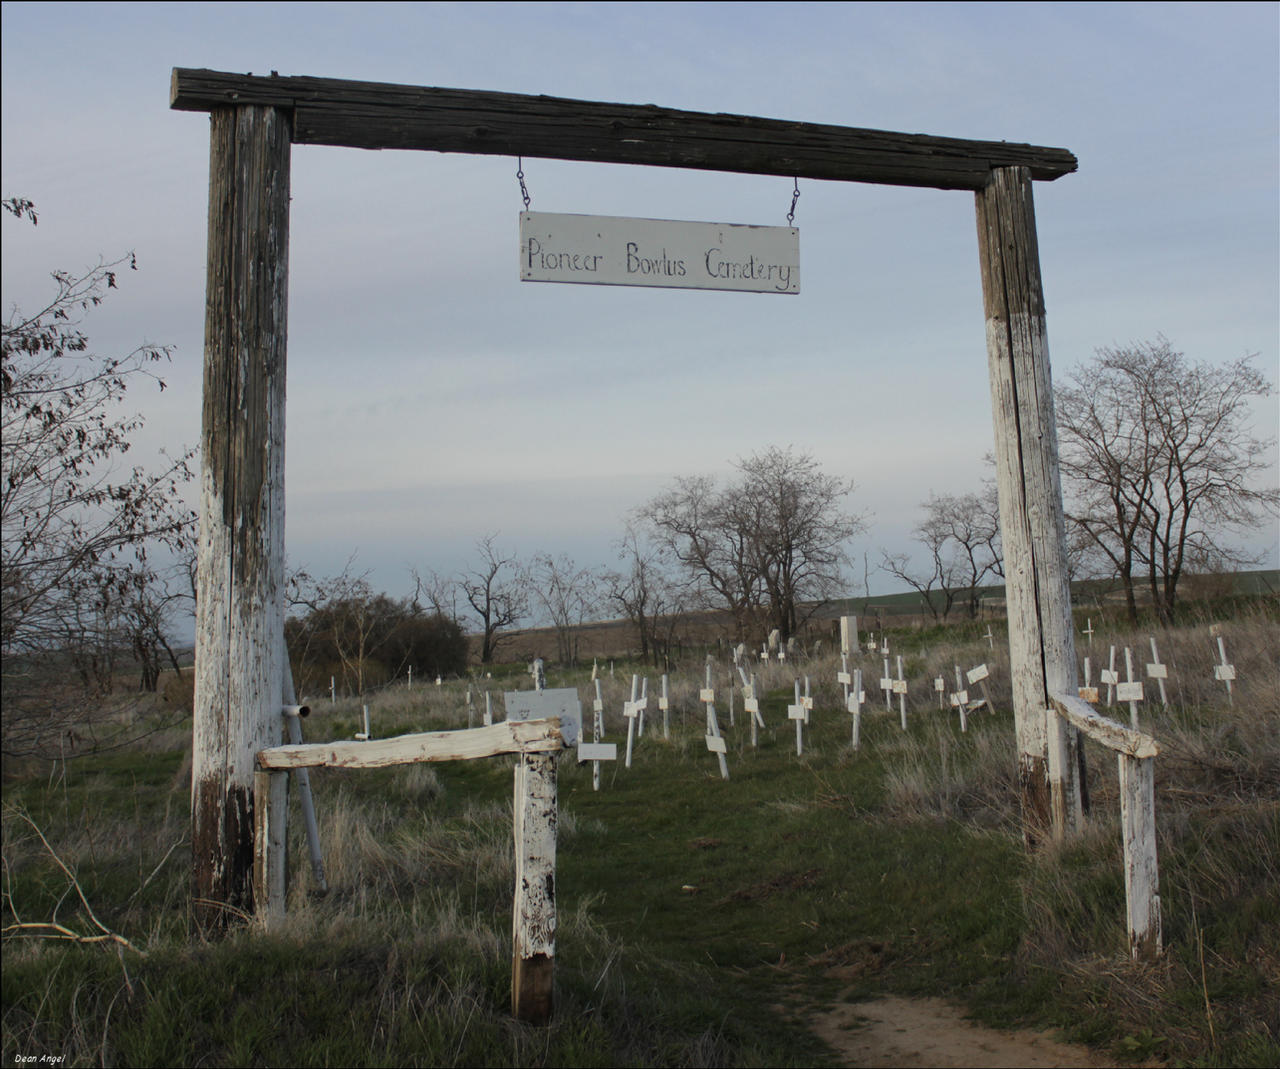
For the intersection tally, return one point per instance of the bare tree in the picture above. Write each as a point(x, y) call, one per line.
point(961, 535)
point(567, 595)
point(642, 591)
point(75, 530)
point(770, 546)
point(497, 592)
point(1160, 463)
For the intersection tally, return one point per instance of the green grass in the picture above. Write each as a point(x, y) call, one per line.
point(700, 920)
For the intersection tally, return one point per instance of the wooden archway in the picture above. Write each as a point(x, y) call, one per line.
point(254, 123)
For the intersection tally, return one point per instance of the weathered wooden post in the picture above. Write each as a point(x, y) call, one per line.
point(1041, 639)
point(240, 570)
point(533, 941)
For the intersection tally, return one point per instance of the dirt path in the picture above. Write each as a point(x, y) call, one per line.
point(902, 1032)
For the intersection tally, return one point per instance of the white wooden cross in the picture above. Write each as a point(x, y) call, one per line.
point(798, 712)
point(1159, 672)
point(940, 685)
point(1088, 630)
point(715, 743)
point(854, 704)
point(842, 676)
point(631, 710)
point(1224, 671)
point(608, 751)
point(991, 639)
point(1108, 676)
point(1130, 690)
point(871, 645)
point(900, 689)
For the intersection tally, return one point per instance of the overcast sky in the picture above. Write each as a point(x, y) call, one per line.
point(433, 398)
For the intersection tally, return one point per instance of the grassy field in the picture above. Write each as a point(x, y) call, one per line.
point(702, 922)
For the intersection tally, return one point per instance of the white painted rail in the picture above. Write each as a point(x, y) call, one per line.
point(538, 742)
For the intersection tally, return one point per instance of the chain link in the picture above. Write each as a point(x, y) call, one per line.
point(795, 196)
point(524, 190)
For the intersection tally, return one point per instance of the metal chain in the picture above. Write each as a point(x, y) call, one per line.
point(524, 190)
point(795, 196)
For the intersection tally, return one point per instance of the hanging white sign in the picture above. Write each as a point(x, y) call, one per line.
point(601, 250)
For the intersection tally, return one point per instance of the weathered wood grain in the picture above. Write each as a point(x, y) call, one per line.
point(240, 567)
point(375, 115)
point(511, 736)
point(1103, 730)
point(1032, 527)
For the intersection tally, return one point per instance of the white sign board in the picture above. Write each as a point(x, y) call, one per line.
point(598, 250)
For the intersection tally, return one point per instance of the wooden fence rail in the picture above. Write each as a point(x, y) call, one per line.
point(537, 742)
point(1136, 752)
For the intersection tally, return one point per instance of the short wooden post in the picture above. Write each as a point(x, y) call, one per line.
point(1141, 872)
point(533, 942)
point(240, 565)
point(1032, 526)
point(270, 844)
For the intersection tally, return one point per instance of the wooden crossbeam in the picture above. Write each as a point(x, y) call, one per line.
point(1103, 729)
point(511, 736)
point(377, 115)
